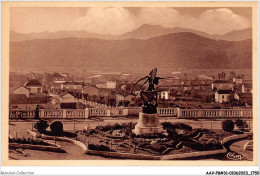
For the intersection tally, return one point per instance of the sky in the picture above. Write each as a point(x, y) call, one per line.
point(119, 20)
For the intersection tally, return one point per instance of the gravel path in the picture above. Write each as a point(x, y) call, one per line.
point(238, 148)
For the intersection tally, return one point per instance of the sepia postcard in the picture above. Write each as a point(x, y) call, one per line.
point(129, 83)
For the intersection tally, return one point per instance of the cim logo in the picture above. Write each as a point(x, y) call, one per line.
point(234, 156)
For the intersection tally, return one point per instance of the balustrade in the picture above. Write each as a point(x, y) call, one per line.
point(214, 113)
point(168, 112)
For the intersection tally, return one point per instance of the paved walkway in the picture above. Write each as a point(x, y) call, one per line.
point(238, 148)
point(74, 152)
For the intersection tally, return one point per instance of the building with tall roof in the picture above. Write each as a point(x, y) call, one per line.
point(247, 88)
point(222, 85)
point(75, 86)
point(90, 90)
point(34, 86)
point(22, 90)
point(223, 96)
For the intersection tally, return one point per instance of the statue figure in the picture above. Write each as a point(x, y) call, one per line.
point(37, 112)
point(149, 96)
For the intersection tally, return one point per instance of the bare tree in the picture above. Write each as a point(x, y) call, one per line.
point(219, 76)
point(232, 74)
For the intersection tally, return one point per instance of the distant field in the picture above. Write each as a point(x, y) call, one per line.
point(140, 70)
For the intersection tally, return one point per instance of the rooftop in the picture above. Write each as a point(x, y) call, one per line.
point(245, 95)
point(91, 86)
point(224, 91)
point(73, 83)
point(248, 85)
point(32, 82)
point(20, 87)
point(17, 96)
point(58, 75)
point(221, 81)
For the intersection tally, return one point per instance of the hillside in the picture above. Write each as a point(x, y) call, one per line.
point(142, 32)
point(185, 50)
point(238, 35)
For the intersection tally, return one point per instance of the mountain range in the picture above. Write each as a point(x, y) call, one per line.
point(174, 50)
point(143, 32)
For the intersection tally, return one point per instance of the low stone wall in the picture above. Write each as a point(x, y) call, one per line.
point(150, 157)
point(248, 146)
point(54, 148)
point(64, 139)
point(122, 155)
point(236, 137)
point(194, 154)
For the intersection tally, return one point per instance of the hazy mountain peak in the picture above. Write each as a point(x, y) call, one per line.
point(143, 32)
point(168, 51)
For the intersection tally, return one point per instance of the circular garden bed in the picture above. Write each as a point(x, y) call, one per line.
point(179, 138)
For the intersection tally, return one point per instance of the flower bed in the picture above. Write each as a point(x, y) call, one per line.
point(29, 141)
point(180, 139)
point(34, 144)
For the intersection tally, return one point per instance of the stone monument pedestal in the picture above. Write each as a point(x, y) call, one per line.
point(148, 124)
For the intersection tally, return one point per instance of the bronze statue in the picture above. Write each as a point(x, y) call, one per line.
point(149, 96)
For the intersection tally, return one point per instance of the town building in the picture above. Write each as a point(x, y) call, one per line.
point(69, 100)
point(34, 86)
point(164, 95)
point(58, 77)
point(101, 85)
point(67, 97)
point(90, 90)
point(20, 101)
point(130, 98)
point(125, 99)
point(238, 80)
point(66, 75)
point(245, 98)
point(111, 84)
point(247, 88)
point(119, 98)
point(125, 76)
point(75, 86)
point(222, 85)
point(223, 96)
point(104, 92)
point(22, 91)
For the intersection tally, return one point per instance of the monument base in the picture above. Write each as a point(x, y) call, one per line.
point(148, 124)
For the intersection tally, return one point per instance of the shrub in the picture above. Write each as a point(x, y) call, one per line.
point(209, 145)
point(184, 126)
point(157, 147)
point(56, 128)
point(28, 141)
point(194, 145)
point(116, 127)
point(212, 145)
point(167, 125)
point(92, 132)
point(241, 124)
point(104, 128)
point(171, 127)
point(228, 125)
point(177, 125)
point(41, 126)
point(151, 136)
